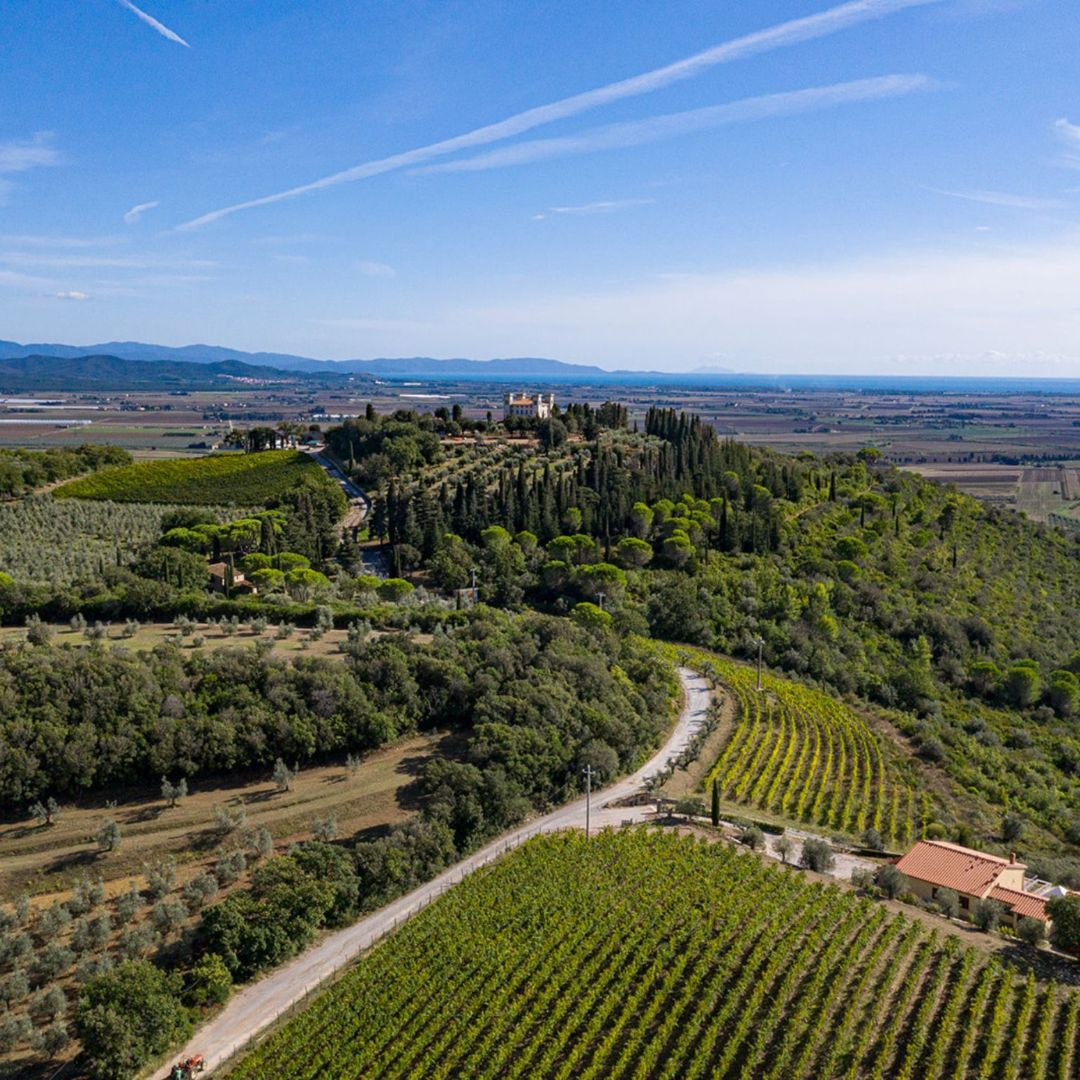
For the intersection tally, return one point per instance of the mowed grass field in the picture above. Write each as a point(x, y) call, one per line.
point(216, 480)
point(647, 955)
point(300, 642)
point(47, 860)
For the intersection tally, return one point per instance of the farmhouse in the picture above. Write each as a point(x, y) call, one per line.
point(537, 406)
point(933, 865)
point(219, 580)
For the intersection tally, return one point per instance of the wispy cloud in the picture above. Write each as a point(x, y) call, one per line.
point(20, 155)
point(375, 269)
point(137, 211)
point(1002, 198)
point(783, 34)
point(847, 314)
point(1069, 133)
point(161, 28)
point(639, 132)
point(67, 261)
point(72, 294)
point(24, 240)
point(15, 280)
point(602, 206)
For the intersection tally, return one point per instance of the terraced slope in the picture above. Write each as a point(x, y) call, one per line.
point(643, 955)
point(801, 754)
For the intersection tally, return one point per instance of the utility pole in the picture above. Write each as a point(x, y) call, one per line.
point(472, 571)
point(601, 597)
point(588, 797)
point(760, 645)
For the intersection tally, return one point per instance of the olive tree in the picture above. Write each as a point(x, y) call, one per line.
point(817, 855)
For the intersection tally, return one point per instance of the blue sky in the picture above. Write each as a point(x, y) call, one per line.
point(784, 185)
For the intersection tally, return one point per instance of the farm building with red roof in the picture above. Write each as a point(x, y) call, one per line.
point(933, 865)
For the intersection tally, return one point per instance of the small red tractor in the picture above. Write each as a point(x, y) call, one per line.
point(188, 1068)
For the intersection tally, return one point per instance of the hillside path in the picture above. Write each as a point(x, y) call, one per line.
point(258, 1005)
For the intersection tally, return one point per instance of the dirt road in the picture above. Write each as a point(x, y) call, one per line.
point(257, 1006)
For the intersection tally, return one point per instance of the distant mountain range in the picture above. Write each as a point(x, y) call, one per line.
point(102, 372)
point(97, 367)
point(514, 369)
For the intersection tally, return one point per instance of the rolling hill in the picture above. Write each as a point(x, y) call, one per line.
point(109, 372)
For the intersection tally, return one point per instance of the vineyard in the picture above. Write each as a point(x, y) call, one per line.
point(45, 541)
point(803, 755)
point(645, 955)
point(236, 479)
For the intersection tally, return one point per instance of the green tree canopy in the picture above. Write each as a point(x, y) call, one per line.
point(127, 1016)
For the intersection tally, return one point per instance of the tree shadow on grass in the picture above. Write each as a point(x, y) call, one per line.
point(1043, 964)
point(72, 860)
point(372, 832)
point(204, 839)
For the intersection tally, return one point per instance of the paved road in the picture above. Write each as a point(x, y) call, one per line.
point(359, 503)
point(257, 1006)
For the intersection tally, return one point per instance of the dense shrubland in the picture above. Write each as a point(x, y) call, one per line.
point(537, 693)
point(534, 699)
point(22, 470)
point(956, 617)
point(954, 620)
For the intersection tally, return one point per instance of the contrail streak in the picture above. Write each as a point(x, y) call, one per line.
point(653, 128)
point(788, 33)
point(161, 28)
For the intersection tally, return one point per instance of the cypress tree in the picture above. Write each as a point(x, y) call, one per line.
point(715, 804)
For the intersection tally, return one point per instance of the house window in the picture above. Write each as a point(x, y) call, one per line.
point(964, 903)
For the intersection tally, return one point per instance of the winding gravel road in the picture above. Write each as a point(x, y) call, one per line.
point(257, 1006)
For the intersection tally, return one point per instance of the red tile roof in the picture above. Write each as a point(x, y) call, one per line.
point(1021, 903)
point(950, 866)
